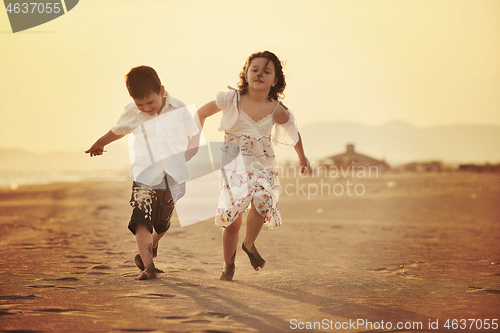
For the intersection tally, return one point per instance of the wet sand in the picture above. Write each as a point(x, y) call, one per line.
point(414, 248)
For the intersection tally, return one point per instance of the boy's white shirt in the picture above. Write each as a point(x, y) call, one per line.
point(159, 145)
point(158, 142)
point(132, 117)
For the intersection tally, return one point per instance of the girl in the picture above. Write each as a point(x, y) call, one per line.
point(252, 117)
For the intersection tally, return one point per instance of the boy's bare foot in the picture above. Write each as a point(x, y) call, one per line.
point(140, 264)
point(256, 260)
point(147, 274)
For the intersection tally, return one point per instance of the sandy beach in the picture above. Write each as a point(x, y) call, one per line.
point(414, 250)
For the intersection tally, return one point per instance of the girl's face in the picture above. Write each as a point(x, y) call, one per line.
point(261, 74)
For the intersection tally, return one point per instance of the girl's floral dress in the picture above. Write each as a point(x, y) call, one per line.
point(249, 171)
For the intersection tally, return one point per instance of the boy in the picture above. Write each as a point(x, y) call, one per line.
point(152, 203)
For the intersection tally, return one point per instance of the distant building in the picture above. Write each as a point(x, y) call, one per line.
point(433, 166)
point(353, 159)
point(480, 168)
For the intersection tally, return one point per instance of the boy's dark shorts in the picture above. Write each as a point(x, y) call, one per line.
point(153, 206)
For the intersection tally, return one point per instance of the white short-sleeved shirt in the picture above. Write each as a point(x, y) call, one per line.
point(158, 142)
point(132, 117)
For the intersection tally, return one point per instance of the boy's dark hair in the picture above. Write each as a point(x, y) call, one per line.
point(276, 91)
point(142, 81)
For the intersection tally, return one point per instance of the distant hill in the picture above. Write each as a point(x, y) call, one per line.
point(398, 142)
point(116, 158)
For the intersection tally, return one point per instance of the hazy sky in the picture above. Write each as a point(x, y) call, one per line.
point(428, 63)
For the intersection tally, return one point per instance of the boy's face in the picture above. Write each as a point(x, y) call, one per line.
point(152, 104)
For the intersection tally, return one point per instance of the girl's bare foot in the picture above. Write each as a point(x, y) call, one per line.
point(228, 272)
point(256, 260)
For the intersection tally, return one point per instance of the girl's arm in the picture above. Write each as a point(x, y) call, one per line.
point(203, 113)
point(98, 147)
point(304, 162)
point(281, 116)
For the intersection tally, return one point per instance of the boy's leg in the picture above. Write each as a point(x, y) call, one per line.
point(145, 246)
point(156, 240)
point(143, 201)
point(165, 208)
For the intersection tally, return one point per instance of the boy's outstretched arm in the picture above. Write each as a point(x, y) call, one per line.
point(98, 147)
point(304, 162)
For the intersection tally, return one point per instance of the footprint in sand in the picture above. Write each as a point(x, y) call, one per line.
point(175, 317)
point(474, 289)
point(211, 316)
point(129, 274)
point(5, 313)
point(480, 289)
point(16, 297)
point(203, 318)
point(197, 321)
point(216, 314)
point(67, 279)
point(76, 257)
point(187, 284)
point(197, 270)
point(70, 279)
point(41, 286)
point(154, 296)
point(57, 310)
point(404, 269)
point(100, 267)
point(149, 296)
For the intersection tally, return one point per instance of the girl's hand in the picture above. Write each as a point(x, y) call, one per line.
point(304, 165)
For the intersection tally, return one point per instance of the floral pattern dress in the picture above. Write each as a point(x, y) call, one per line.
point(249, 171)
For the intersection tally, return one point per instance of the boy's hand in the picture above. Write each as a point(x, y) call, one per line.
point(95, 150)
point(304, 165)
point(98, 147)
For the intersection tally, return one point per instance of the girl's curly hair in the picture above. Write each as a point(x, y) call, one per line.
point(277, 90)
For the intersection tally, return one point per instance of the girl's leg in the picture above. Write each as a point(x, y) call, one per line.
point(229, 244)
point(254, 224)
point(230, 241)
